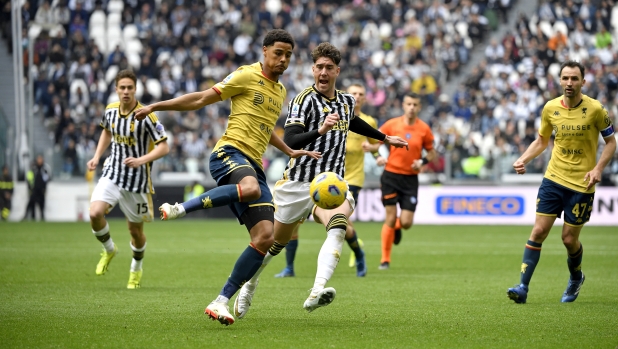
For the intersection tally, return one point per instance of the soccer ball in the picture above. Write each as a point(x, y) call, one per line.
point(328, 190)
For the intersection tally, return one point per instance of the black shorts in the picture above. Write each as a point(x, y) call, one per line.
point(398, 188)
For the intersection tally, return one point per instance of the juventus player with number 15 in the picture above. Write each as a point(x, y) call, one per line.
point(126, 173)
point(318, 120)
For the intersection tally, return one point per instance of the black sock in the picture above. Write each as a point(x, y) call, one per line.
point(354, 245)
point(290, 254)
point(574, 261)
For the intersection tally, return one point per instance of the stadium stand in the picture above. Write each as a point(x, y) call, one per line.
point(388, 46)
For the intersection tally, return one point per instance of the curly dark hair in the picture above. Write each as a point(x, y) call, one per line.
point(278, 35)
point(326, 49)
point(127, 73)
point(573, 64)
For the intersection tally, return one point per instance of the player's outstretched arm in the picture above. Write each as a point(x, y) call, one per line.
point(593, 177)
point(104, 141)
point(534, 149)
point(158, 152)
point(190, 101)
point(358, 125)
point(280, 144)
point(395, 141)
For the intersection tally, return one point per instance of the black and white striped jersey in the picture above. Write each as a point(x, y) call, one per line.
point(130, 138)
point(309, 109)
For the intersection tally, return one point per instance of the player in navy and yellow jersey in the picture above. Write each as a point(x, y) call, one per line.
point(577, 120)
point(236, 162)
point(126, 173)
point(355, 176)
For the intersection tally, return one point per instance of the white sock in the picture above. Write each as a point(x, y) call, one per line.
point(109, 244)
point(222, 299)
point(254, 279)
point(181, 211)
point(328, 257)
point(136, 265)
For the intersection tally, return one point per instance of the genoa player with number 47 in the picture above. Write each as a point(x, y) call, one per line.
point(572, 172)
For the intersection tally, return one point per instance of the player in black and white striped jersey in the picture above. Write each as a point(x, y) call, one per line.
point(126, 178)
point(130, 139)
point(318, 119)
point(309, 110)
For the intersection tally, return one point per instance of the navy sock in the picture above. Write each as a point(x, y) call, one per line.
point(575, 263)
point(244, 269)
point(532, 254)
point(290, 254)
point(353, 243)
point(219, 196)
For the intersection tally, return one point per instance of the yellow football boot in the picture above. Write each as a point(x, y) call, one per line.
point(105, 259)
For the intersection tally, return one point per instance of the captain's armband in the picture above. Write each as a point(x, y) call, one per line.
point(607, 131)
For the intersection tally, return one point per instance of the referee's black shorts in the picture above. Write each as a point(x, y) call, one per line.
point(398, 188)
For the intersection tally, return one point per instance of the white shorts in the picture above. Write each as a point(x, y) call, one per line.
point(293, 202)
point(137, 207)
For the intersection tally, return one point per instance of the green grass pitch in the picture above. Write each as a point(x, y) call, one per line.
point(446, 288)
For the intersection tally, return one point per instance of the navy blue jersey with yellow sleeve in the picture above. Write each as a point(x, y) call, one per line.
point(256, 106)
point(577, 132)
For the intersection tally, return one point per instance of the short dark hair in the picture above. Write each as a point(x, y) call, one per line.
point(326, 49)
point(412, 95)
point(127, 73)
point(278, 35)
point(572, 64)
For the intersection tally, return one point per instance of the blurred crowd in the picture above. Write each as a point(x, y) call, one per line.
point(389, 46)
point(501, 100)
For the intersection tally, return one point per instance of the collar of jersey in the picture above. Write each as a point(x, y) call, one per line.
point(124, 116)
point(578, 104)
point(264, 75)
point(323, 95)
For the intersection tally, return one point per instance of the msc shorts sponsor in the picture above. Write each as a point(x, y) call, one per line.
point(458, 205)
